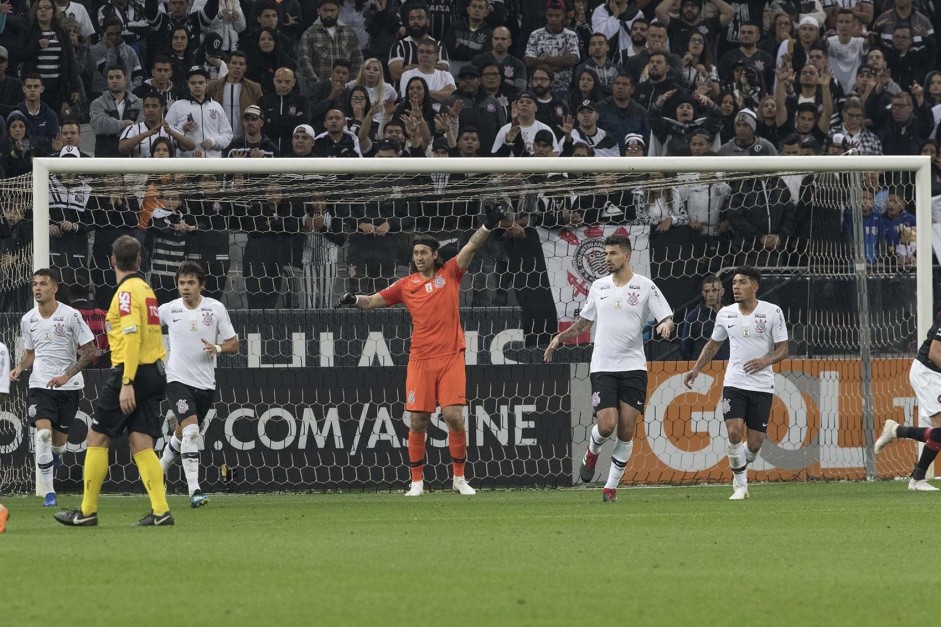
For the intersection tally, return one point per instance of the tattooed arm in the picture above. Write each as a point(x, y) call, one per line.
point(581, 325)
point(86, 353)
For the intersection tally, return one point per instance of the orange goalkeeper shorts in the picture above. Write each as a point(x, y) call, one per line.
point(434, 382)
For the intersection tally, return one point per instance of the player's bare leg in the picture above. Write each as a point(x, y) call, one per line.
point(457, 446)
point(932, 440)
point(738, 458)
point(418, 425)
point(623, 447)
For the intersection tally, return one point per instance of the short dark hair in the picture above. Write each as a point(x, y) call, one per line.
point(155, 94)
point(163, 140)
point(750, 272)
point(342, 63)
point(240, 54)
point(47, 272)
point(807, 106)
point(116, 68)
point(126, 251)
point(161, 58)
point(709, 279)
point(619, 240)
point(32, 75)
point(790, 140)
point(191, 268)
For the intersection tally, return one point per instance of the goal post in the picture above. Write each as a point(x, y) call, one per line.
point(314, 400)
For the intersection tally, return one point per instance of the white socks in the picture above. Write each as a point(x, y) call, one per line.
point(749, 456)
point(737, 462)
point(595, 442)
point(170, 452)
point(44, 457)
point(622, 453)
point(190, 452)
point(58, 450)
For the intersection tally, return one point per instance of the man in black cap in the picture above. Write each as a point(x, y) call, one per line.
point(517, 136)
point(587, 132)
point(164, 23)
point(480, 109)
point(251, 143)
point(201, 118)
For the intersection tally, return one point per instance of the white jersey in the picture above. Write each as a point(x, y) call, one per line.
point(619, 314)
point(189, 363)
point(55, 341)
point(4, 369)
point(750, 337)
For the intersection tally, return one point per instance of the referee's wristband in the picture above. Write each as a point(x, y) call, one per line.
point(218, 348)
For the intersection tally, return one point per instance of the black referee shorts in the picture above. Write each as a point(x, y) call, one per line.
point(608, 389)
point(186, 401)
point(150, 386)
point(752, 407)
point(57, 406)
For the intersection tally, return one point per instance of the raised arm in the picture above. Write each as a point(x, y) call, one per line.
point(349, 300)
point(493, 215)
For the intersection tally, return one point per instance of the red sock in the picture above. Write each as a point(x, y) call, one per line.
point(416, 454)
point(457, 445)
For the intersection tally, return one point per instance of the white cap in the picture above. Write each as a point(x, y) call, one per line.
point(809, 19)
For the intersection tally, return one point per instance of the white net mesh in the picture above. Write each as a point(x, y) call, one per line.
point(314, 400)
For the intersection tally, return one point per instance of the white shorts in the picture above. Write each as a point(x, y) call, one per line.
point(927, 386)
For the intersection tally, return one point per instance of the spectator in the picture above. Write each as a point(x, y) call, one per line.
point(857, 136)
point(691, 21)
point(511, 68)
point(212, 208)
point(588, 133)
point(921, 30)
point(209, 54)
point(265, 57)
point(673, 132)
point(728, 107)
point(637, 46)
point(480, 111)
point(863, 10)
point(110, 52)
point(283, 110)
point(267, 15)
point(45, 49)
point(439, 83)
point(382, 26)
point(327, 92)
point(322, 253)
point(82, 53)
point(814, 95)
point(70, 134)
point(930, 148)
point(908, 64)
point(228, 22)
point(336, 141)
point(302, 142)
point(820, 207)
point(404, 55)
point(746, 142)
point(251, 144)
point(113, 112)
point(845, 52)
point(202, 119)
point(550, 109)
point(554, 46)
point(619, 115)
point(72, 208)
point(782, 30)
point(898, 229)
point(933, 88)
point(615, 22)
point(353, 14)
point(181, 58)
point(18, 148)
point(872, 226)
point(705, 197)
point(697, 325)
point(417, 100)
point(137, 140)
point(371, 79)
point(16, 239)
point(78, 13)
point(797, 50)
point(597, 62)
point(518, 135)
point(132, 17)
point(699, 72)
point(748, 52)
point(586, 86)
point(359, 113)
point(117, 214)
point(902, 132)
point(491, 80)
point(773, 123)
point(94, 317)
point(164, 23)
point(11, 88)
point(658, 81)
point(656, 42)
point(235, 92)
point(325, 42)
point(161, 81)
point(170, 225)
point(466, 38)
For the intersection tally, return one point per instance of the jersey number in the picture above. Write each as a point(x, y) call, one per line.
point(153, 313)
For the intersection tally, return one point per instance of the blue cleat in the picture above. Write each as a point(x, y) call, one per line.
point(50, 500)
point(198, 499)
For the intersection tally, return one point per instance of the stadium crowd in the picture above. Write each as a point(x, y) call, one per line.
point(459, 78)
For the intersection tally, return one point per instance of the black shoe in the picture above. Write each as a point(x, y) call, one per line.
point(150, 520)
point(75, 518)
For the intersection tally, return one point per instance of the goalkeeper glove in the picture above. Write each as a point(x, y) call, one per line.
point(494, 213)
point(346, 299)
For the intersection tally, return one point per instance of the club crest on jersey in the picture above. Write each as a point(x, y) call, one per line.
point(207, 318)
point(595, 399)
point(726, 406)
point(59, 329)
point(32, 411)
point(760, 326)
point(182, 406)
point(411, 397)
point(439, 281)
point(633, 298)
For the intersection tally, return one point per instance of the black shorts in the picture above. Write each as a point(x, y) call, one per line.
point(186, 401)
point(752, 407)
point(150, 386)
point(608, 388)
point(57, 406)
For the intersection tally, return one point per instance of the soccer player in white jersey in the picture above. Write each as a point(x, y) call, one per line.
point(4, 392)
point(925, 377)
point(199, 329)
point(620, 303)
point(51, 333)
point(757, 337)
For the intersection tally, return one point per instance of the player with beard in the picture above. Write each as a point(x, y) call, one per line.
point(404, 56)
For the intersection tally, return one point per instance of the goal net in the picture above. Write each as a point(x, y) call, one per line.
point(314, 400)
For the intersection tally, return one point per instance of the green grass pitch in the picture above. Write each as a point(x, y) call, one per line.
point(794, 554)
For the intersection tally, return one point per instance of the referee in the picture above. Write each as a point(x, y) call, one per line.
point(130, 400)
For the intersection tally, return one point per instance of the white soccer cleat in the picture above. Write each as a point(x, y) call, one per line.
point(416, 489)
point(460, 485)
point(920, 486)
point(740, 493)
point(888, 434)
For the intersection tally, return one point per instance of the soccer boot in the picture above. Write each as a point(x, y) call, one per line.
point(198, 499)
point(739, 492)
point(416, 489)
point(50, 500)
point(609, 495)
point(586, 470)
point(75, 518)
point(920, 486)
point(460, 485)
point(150, 520)
point(888, 434)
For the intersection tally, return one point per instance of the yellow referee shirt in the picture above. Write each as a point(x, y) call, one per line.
point(133, 325)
